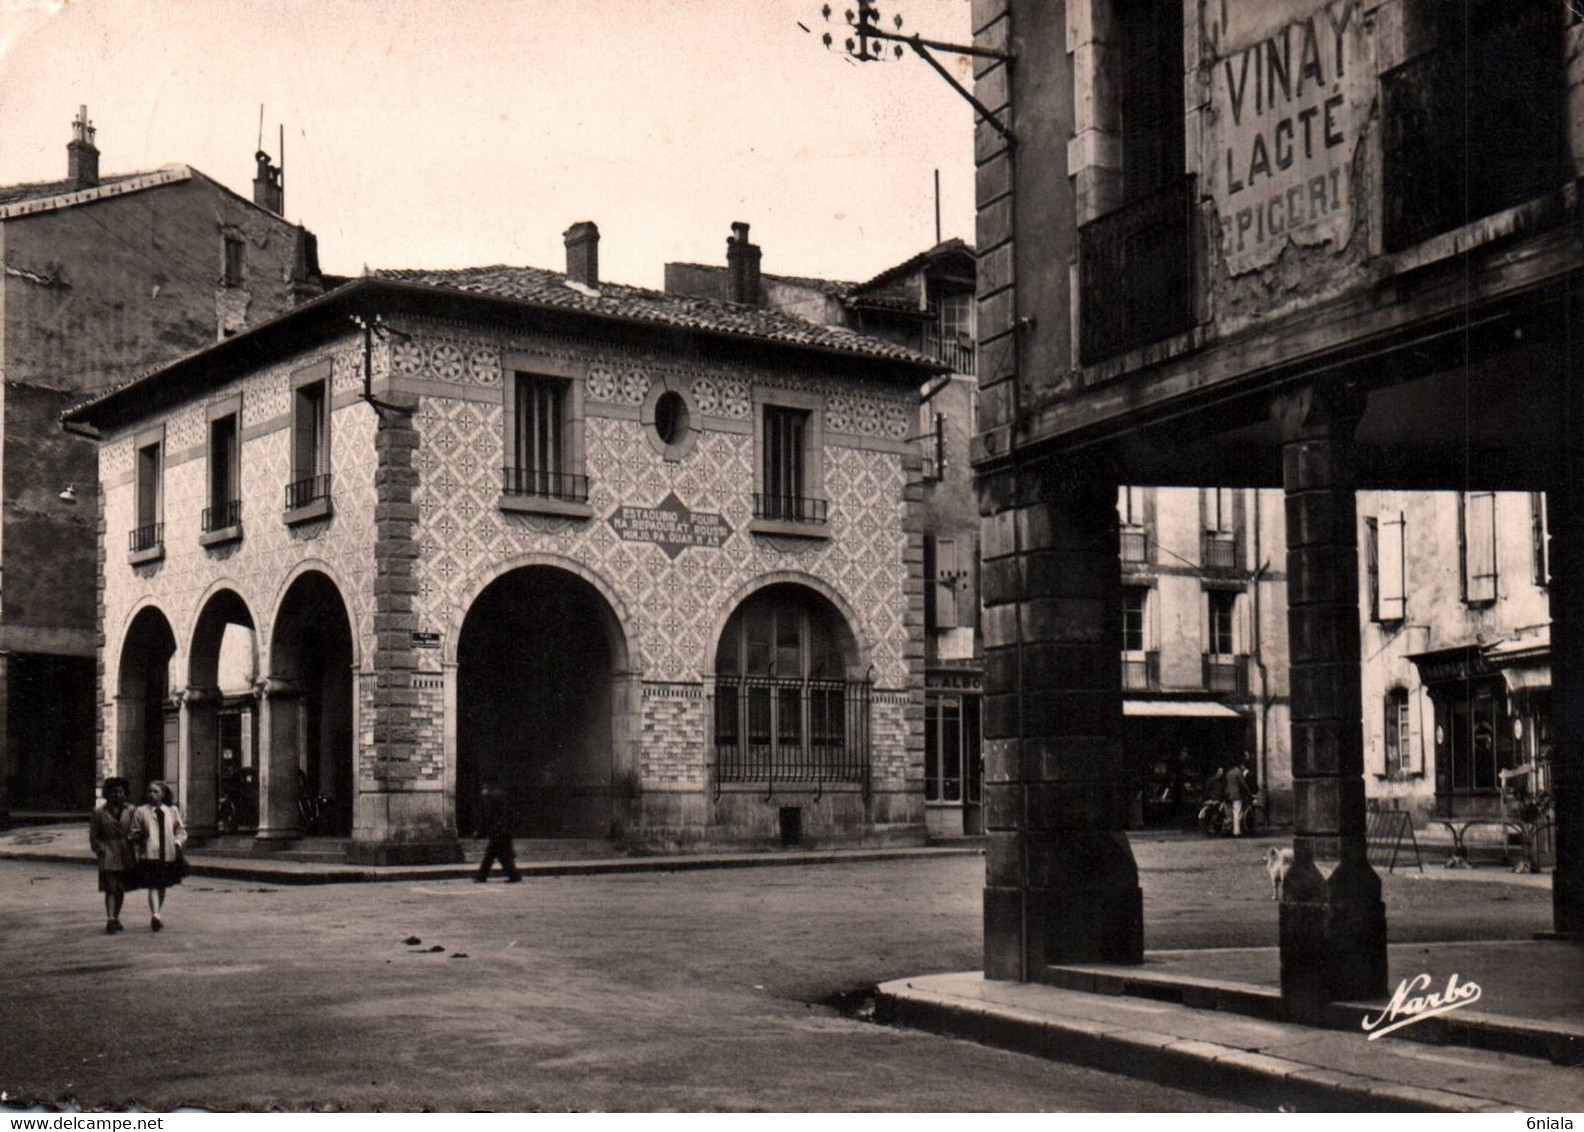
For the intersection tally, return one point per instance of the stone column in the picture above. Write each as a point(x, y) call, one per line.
point(9, 759)
point(200, 763)
point(1333, 924)
point(280, 754)
point(1061, 885)
point(1566, 519)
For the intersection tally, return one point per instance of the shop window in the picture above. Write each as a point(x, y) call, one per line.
point(785, 710)
point(222, 518)
point(1398, 746)
point(1477, 542)
point(788, 480)
point(952, 764)
point(308, 493)
point(1474, 741)
point(147, 540)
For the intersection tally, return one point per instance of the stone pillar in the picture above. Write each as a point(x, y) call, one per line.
point(280, 754)
point(1333, 924)
point(402, 815)
point(200, 762)
point(1565, 514)
point(1061, 885)
point(9, 759)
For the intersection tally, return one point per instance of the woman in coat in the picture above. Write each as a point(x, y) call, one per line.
point(159, 835)
point(108, 831)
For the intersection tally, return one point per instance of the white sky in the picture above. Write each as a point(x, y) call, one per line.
point(436, 133)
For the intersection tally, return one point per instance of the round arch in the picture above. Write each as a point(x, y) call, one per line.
point(218, 778)
point(860, 644)
point(146, 746)
point(306, 566)
point(622, 634)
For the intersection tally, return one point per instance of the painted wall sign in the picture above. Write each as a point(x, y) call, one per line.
point(1288, 102)
point(671, 526)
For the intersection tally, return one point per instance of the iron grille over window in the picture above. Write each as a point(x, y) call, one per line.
point(540, 443)
point(1135, 273)
point(1477, 125)
point(1135, 546)
point(770, 730)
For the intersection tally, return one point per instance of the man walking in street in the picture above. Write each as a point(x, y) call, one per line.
point(1238, 795)
point(495, 824)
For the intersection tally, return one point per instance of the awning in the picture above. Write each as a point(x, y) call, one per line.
point(1178, 709)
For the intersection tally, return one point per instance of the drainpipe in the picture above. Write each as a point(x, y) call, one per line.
point(1266, 698)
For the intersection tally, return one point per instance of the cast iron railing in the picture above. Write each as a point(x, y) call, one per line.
point(1141, 674)
point(223, 516)
point(1226, 674)
point(1136, 273)
point(789, 508)
point(1218, 551)
point(305, 491)
point(1135, 546)
point(547, 485)
point(770, 730)
point(146, 537)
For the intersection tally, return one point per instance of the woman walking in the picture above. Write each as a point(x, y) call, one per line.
point(108, 833)
point(159, 835)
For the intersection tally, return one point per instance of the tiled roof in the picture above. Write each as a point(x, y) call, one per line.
point(550, 288)
point(944, 248)
point(836, 288)
point(44, 190)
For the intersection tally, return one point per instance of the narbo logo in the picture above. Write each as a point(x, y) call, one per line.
point(1409, 1005)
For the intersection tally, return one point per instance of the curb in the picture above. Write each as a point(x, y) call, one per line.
point(1204, 1067)
point(308, 873)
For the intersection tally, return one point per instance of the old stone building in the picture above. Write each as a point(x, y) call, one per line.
point(105, 276)
point(653, 563)
point(1321, 246)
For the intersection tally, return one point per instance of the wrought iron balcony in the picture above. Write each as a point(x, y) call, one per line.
point(1136, 273)
point(1135, 547)
point(1218, 551)
point(546, 485)
point(1226, 674)
point(1470, 132)
point(147, 537)
point(223, 516)
point(789, 508)
point(1141, 673)
point(952, 351)
point(306, 491)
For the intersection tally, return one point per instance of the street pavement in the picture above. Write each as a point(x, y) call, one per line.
point(662, 990)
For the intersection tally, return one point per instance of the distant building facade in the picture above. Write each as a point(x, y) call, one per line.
point(1455, 628)
point(652, 563)
point(105, 276)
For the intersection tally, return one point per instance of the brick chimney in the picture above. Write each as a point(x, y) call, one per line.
point(582, 253)
point(82, 157)
point(268, 190)
point(742, 267)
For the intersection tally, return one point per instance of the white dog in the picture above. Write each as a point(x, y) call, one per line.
point(1277, 863)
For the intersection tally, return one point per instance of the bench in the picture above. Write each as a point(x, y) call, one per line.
point(1458, 827)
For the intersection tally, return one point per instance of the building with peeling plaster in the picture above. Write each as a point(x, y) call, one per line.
point(1326, 247)
point(104, 277)
point(652, 563)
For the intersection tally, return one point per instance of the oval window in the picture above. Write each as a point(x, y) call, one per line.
point(671, 418)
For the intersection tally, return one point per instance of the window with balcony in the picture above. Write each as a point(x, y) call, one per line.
point(1140, 662)
point(146, 542)
point(222, 517)
point(1221, 512)
point(950, 337)
point(1134, 532)
point(1224, 668)
point(308, 493)
point(788, 479)
point(1477, 546)
point(1475, 123)
point(544, 469)
point(1135, 264)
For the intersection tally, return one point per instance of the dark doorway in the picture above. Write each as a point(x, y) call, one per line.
point(142, 699)
point(534, 695)
point(50, 731)
point(311, 654)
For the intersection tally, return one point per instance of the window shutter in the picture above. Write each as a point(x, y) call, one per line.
point(1392, 568)
point(930, 603)
point(947, 583)
point(1481, 546)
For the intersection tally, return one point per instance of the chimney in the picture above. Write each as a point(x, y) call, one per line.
point(82, 157)
point(306, 279)
point(268, 191)
point(582, 251)
point(742, 266)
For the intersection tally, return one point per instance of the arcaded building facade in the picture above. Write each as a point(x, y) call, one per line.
point(650, 563)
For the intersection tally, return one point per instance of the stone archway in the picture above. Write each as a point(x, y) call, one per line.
point(146, 747)
point(220, 715)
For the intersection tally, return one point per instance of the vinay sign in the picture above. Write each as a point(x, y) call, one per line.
point(1287, 105)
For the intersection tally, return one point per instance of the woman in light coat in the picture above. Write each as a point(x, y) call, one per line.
point(159, 835)
point(108, 830)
